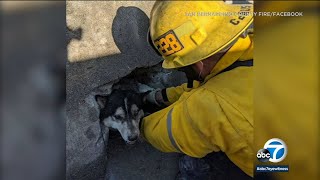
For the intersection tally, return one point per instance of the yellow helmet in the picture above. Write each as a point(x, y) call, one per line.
point(185, 32)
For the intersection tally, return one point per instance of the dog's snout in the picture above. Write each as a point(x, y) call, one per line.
point(133, 138)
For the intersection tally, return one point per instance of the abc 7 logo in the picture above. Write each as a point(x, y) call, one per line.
point(263, 155)
point(275, 150)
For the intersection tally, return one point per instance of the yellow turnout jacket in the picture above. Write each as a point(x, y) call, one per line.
point(216, 115)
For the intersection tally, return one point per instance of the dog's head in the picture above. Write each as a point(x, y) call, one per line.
point(121, 110)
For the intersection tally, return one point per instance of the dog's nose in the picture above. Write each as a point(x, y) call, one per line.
point(132, 138)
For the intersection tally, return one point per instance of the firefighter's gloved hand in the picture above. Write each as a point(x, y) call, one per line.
point(152, 102)
point(154, 97)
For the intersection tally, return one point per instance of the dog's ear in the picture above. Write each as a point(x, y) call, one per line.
point(101, 100)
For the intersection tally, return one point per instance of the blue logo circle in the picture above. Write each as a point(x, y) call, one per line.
point(277, 148)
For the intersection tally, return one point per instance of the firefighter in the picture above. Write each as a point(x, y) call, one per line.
point(213, 111)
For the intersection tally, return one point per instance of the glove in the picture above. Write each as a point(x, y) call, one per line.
point(154, 97)
point(152, 101)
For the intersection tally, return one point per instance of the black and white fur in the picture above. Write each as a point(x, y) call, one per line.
point(122, 111)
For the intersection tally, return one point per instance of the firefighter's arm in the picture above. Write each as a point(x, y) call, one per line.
point(172, 130)
point(172, 94)
point(223, 126)
point(154, 129)
point(198, 123)
point(167, 96)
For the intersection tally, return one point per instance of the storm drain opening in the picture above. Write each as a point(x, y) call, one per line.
point(139, 81)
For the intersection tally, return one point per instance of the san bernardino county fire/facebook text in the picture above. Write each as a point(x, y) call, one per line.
point(243, 13)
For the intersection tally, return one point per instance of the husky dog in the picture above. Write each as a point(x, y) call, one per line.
point(122, 111)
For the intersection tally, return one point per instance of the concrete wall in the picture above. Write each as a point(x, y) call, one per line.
point(107, 41)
